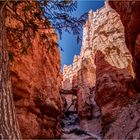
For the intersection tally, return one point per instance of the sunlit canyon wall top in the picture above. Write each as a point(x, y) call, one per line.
point(104, 32)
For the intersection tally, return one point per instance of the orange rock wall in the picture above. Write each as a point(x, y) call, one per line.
point(36, 81)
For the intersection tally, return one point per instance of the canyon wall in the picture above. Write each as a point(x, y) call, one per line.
point(106, 74)
point(36, 80)
point(114, 71)
point(126, 124)
point(81, 74)
point(130, 17)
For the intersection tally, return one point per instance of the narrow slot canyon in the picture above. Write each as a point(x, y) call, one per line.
point(73, 127)
point(96, 97)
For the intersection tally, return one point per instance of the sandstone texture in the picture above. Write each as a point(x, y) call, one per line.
point(129, 12)
point(99, 91)
point(114, 71)
point(36, 79)
point(81, 77)
point(126, 125)
point(104, 74)
point(81, 74)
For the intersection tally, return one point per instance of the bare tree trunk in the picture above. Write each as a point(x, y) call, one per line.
point(8, 123)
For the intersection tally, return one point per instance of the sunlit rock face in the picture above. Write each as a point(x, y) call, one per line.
point(128, 128)
point(36, 81)
point(109, 38)
point(129, 12)
point(81, 76)
point(86, 74)
point(104, 70)
point(114, 71)
point(70, 74)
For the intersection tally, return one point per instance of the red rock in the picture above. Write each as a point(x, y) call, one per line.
point(36, 81)
point(113, 88)
point(113, 41)
point(126, 125)
point(35, 84)
point(130, 17)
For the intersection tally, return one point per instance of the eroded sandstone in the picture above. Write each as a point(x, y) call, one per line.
point(114, 70)
point(130, 17)
point(36, 80)
point(104, 75)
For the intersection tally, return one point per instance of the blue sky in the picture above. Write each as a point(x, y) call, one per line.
point(68, 41)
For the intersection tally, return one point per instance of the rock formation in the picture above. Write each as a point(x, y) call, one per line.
point(129, 14)
point(105, 74)
point(114, 71)
point(36, 77)
point(81, 76)
point(126, 125)
point(101, 84)
point(130, 17)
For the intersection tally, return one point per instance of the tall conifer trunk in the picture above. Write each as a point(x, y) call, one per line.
point(8, 123)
